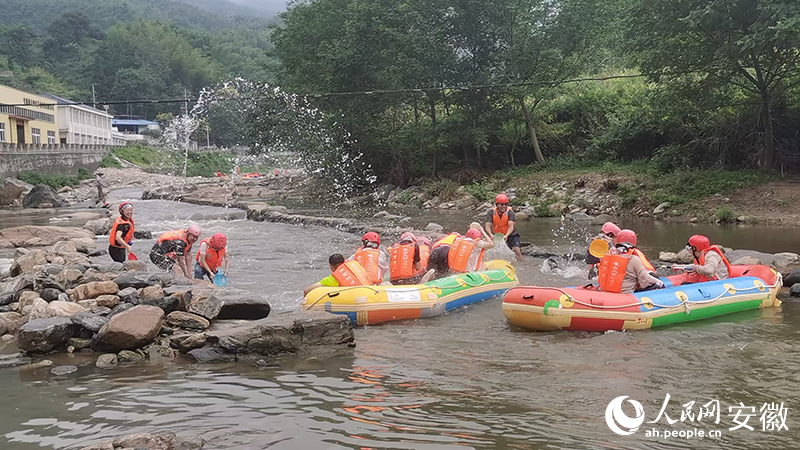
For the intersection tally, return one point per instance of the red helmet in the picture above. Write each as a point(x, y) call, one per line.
point(699, 242)
point(610, 227)
point(424, 241)
point(218, 241)
point(408, 236)
point(124, 205)
point(371, 236)
point(473, 234)
point(626, 237)
point(194, 230)
point(501, 198)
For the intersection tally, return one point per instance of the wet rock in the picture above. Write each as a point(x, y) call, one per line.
point(205, 303)
point(434, 227)
point(792, 258)
point(28, 261)
point(207, 355)
point(89, 321)
point(122, 307)
point(45, 282)
point(99, 227)
point(241, 304)
point(37, 365)
point(6, 298)
point(188, 342)
point(64, 370)
point(187, 320)
point(109, 301)
point(168, 304)
point(789, 279)
point(44, 335)
point(166, 331)
point(130, 329)
point(694, 220)
point(43, 196)
point(49, 294)
point(127, 356)
point(78, 343)
point(113, 267)
point(101, 310)
point(580, 217)
point(151, 292)
point(12, 189)
point(13, 360)
point(142, 234)
point(136, 280)
point(794, 291)
point(94, 290)
point(142, 441)
point(106, 360)
point(129, 295)
point(135, 266)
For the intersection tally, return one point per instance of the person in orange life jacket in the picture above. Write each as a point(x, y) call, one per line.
point(501, 219)
point(623, 271)
point(371, 257)
point(211, 255)
point(446, 258)
point(709, 262)
point(628, 236)
point(121, 235)
point(405, 260)
point(424, 253)
point(343, 273)
point(608, 233)
point(175, 247)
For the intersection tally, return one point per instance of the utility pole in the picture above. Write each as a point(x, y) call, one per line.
point(94, 99)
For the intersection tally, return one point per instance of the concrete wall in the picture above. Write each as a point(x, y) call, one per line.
point(50, 159)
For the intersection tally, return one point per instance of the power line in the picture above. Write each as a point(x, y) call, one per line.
point(355, 93)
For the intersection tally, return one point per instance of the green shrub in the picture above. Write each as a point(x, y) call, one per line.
point(725, 214)
point(109, 161)
point(543, 210)
point(480, 192)
point(446, 190)
point(143, 156)
point(54, 181)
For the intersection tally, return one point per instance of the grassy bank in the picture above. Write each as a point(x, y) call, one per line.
point(55, 181)
point(203, 164)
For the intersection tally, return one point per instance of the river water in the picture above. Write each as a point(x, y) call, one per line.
point(461, 380)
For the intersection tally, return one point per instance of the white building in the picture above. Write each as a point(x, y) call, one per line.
point(81, 124)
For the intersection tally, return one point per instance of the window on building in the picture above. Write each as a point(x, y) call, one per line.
point(2, 132)
point(51, 138)
point(36, 135)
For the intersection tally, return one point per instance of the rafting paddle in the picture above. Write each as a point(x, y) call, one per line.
point(598, 248)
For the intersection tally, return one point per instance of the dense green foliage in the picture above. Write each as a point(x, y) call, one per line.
point(128, 50)
point(110, 161)
point(202, 164)
point(54, 181)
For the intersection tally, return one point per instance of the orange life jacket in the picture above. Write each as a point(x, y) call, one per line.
point(611, 272)
point(369, 258)
point(213, 257)
point(424, 253)
point(175, 235)
point(401, 262)
point(500, 224)
point(447, 240)
point(351, 273)
point(702, 262)
point(112, 236)
point(460, 251)
point(647, 264)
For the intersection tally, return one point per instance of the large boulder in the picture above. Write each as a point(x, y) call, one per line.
point(26, 263)
point(46, 236)
point(205, 303)
point(64, 247)
point(168, 304)
point(43, 196)
point(750, 257)
point(99, 227)
point(788, 280)
point(142, 441)
point(44, 335)
point(136, 280)
point(94, 290)
point(241, 304)
point(130, 329)
point(12, 189)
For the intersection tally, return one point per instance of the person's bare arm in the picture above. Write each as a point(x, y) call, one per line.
point(510, 229)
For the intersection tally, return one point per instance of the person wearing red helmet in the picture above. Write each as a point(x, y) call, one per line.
point(371, 257)
point(121, 234)
point(404, 260)
point(709, 261)
point(175, 246)
point(458, 254)
point(621, 270)
point(608, 233)
point(502, 219)
point(211, 255)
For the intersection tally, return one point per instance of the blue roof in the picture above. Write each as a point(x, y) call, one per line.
point(132, 122)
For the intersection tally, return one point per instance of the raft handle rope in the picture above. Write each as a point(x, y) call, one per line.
point(339, 291)
point(684, 303)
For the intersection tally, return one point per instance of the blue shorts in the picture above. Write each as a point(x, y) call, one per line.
point(513, 241)
point(199, 273)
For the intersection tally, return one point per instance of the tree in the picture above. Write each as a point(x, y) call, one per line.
point(751, 44)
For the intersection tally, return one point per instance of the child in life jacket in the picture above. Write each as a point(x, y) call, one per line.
point(343, 273)
point(371, 257)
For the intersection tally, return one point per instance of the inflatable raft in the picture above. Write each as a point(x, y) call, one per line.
point(587, 309)
point(369, 305)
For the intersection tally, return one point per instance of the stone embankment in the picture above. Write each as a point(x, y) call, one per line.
point(58, 298)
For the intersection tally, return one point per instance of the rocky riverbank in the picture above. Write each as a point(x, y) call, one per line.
point(59, 298)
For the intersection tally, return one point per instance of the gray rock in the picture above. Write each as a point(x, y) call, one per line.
point(142, 441)
point(44, 335)
point(669, 257)
point(109, 301)
point(99, 227)
point(151, 292)
point(122, 307)
point(580, 217)
point(13, 189)
point(434, 227)
point(135, 266)
point(107, 360)
point(188, 342)
point(127, 356)
point(13, 360)
point(790, 279)
point(206, 304)
point(89, 321)
point(6, 298)
point(142, 234)
point(130, 329)
point(241, 304)
point(794, 291)
point(64, 370)
point(187, 320)
point(43, 196)
point(129, 295)
point(113, 267)
point(209, 354)
point(746, 260)
point(37, 365)
point(166, 331)
point(168, 304)
point(136, 280)
point(79, 344)
point(756, 257)
point(64, 247)
point(661, 208)
point(101, 310)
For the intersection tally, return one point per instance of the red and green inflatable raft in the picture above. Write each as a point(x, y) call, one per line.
point(587, 309)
